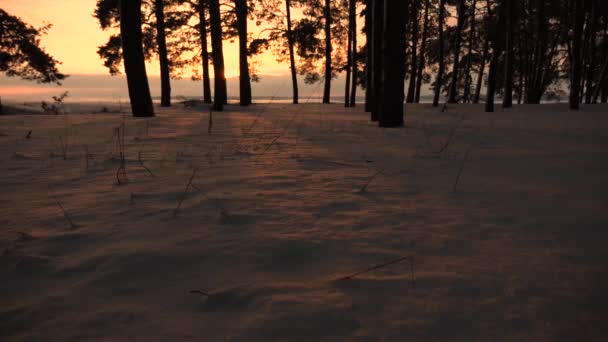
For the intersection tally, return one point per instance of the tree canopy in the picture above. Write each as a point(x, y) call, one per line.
point(21, 54)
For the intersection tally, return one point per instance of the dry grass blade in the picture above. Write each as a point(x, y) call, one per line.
point(121, 172)
point(210, 125)
point(370, 180)
point(376, 267)
point(450, 137)
point(141, 162)
point(65, 213)
point(183, 197)
point(200, 293)
point(464, 160)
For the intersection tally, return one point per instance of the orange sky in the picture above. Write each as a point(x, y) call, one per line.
point(76, 35)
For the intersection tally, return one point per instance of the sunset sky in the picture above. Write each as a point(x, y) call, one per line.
point(76, 35)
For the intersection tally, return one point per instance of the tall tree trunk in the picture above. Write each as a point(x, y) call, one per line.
point(349, 54)
point(161, 41)
point(507, 101)
point(202, 28)
point(575, 85)
point(411, 92)
point(497, 49)
point(467, 72)
point(292, 56)
point(482, 70)
point(600, 87)
point(591, 60)
point(521, 66)
point(453, 93)
point(439, 80)
point(134, 61)
point(601, 81)
point(244, 78)
point(485, 53)
point(354, 72)
point(220, 92)
point(422, 58)
point(378, 56)
point(328, 50)
point(536, 82)
point(391, 114)
point(369, 60)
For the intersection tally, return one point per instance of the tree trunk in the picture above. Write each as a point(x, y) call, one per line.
point(220, 93)
point(204, 51)
point(378, 56)
point(422, 58)
point(161, 41)
point(411, 92)
point(369, 61)
point(507, 101)
point(134, 61)
point(244, 78)
point(439, 80)
point(484, 55)
point(349, 54)
point(292, 56)
point(354, 72)
point(591, 60)
point(328, 50)
point(453, 93)
point(391, 114)
point(575, 85)
point(599, 87)
point(535, 82)
point(497, 49)
point(467, 72)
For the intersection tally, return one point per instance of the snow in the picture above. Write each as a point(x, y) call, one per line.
point(279, 211)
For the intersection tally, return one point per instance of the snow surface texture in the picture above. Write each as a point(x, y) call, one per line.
point(288, 199)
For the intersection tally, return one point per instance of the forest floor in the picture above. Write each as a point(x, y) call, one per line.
point(242, 232)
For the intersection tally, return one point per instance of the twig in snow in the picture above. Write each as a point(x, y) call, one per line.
point(200, 293)
point(141, 162)
point(451, 136)
point(464, 159)
point(183, 197)
point(121, 172)
point(88, 156)
point(373, 268)
point(210, 125)
point(369, 181)
point(65, 213)
point(64, 147)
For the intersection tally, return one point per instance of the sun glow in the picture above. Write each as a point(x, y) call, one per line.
point(75, 37)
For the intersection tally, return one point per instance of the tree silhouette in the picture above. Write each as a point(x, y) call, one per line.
point(133, 53)
point(21, 54)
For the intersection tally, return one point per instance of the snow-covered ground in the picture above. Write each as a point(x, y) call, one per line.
point(284, 201)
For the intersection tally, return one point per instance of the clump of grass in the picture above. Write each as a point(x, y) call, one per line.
point(57, 106)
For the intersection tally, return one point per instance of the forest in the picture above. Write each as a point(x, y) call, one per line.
point(524, 51)
point(466, 51)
